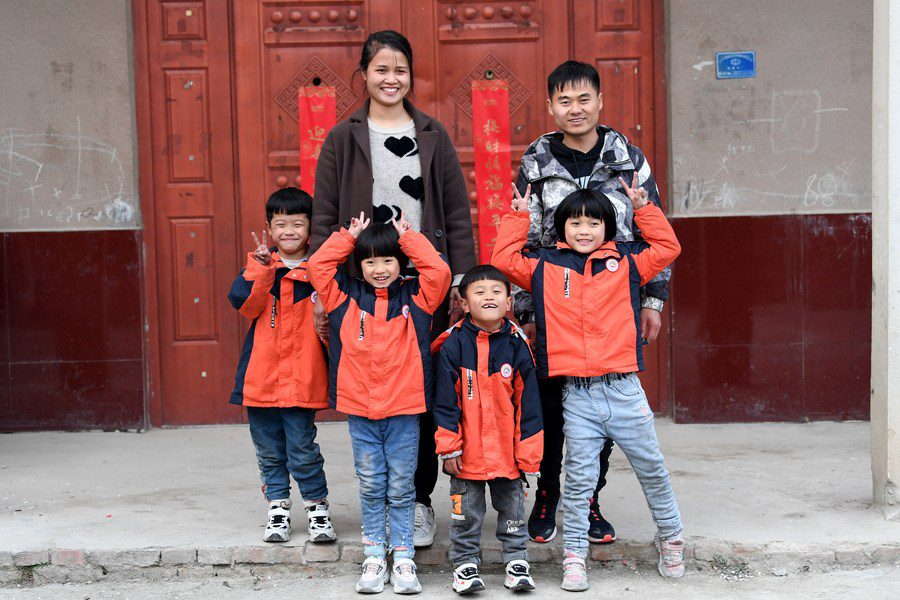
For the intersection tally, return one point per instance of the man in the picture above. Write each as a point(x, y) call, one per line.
point(582, 154)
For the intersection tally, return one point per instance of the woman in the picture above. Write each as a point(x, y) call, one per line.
point(388, 158)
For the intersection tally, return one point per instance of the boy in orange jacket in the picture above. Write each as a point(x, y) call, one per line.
point(489, 427)
point(380, 374)
point(281, 376)
point(586, 293)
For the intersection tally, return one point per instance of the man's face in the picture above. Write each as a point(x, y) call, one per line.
point(576, 108)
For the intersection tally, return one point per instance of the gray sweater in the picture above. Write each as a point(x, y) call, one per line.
point(397, 172)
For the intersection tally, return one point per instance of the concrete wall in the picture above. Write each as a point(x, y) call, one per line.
point(794, 139)
point(67, 135)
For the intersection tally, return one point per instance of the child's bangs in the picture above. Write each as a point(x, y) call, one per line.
point(483, 273)
point(378, 239)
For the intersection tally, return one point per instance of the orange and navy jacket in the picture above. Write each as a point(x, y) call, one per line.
point(486, 403)
point(282, 364)
point(379, 357)
point(587, 308)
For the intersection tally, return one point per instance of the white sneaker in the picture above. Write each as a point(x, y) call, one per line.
point(278, 529)
point(404, 575)
point(574, 575)
point(374, 575)
point(320, 527)
point(466, 579)
point(518, 576)
point(423, 528)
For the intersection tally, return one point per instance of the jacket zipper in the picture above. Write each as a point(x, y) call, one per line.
point(471, 387)
point(566, 285)
point(362, 326)
point(274, 312)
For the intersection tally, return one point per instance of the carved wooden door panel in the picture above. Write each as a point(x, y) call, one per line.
point(617, 37)
point(188, 63)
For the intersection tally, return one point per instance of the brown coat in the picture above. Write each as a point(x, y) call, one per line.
point(344, 186)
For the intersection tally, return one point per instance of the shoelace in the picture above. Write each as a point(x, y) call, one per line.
point(672, 555)
point(574, 569)
point(278, 521)
point(320, 522)
point(406, 569)
point(371, 568)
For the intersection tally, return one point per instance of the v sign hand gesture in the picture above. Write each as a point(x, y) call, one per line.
point(636, 193)
point(357, 225)
point(520, 203)
point(261, 254)
point(402, 226)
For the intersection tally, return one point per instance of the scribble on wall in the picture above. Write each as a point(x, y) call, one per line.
point(59, 180)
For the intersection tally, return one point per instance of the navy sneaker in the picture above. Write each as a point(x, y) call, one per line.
point(600, 531)
point(542, 522)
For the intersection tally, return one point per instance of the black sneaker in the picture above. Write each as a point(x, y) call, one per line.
point(600, 531)
point(542, 522)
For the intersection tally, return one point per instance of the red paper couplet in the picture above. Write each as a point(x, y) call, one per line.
point(317, 116)
point(490, 117)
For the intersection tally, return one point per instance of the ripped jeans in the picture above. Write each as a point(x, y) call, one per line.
point(385, 452)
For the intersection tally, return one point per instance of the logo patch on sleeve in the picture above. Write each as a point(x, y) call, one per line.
point(314, 297)
point(506, 370)
point(405, 311)
point(612, 265)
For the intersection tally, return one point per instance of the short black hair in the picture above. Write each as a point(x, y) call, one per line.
point(570, 73)
point(483, 273)
point(288, 201)
point(589, 203)
point(378, 239)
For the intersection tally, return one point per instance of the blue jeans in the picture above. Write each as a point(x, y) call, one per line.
point(385, 452)
point(611, 407)
point(285, 440)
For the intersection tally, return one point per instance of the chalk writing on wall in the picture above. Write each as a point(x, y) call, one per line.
point(62, 179)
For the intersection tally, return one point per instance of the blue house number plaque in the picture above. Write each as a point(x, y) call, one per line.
point(735, 65)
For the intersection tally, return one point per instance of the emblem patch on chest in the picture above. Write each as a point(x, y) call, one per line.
point(612, 265)
point(506, 370)
point(405, 311)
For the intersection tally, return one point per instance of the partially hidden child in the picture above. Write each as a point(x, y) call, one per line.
point(282, 378)
point(586, 295)
point(380, 375)
point(489, 427)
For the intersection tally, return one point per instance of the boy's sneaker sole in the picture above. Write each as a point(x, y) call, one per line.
point(607, 539)
point(519, 584)
point(323, 538)
point(476, 586)
point(277, 537)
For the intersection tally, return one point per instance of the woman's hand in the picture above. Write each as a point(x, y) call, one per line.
point(357, 225)
point(455, 310)
point(402, 226)
point(520, 203)
point(636, 193)
point(261, 254)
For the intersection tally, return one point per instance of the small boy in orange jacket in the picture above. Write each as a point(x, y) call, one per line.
point(281, 376)
point(489, 427)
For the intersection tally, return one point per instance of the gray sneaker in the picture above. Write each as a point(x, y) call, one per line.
point(404, 575)
point(374, 575)
point(574, 575)
point(671, 557)
point(423, 528)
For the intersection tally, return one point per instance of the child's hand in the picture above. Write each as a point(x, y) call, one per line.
point(636, 193)
point(402, 226)
point(357, 225)
point(453, 465)
point(519, 203)
point(261, 254)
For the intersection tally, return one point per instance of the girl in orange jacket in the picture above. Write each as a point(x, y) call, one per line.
point(380, 366)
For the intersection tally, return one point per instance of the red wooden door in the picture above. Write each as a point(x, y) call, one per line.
point(617, 37)
point(189, 75)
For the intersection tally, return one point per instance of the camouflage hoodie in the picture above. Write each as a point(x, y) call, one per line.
point(551, 182)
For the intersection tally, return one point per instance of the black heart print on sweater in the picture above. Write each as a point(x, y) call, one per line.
point(413, 187)
point(384, 214)
point(402, 146)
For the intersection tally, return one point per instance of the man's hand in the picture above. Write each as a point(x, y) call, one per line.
point(651, 321)
point(519, 202)
point(455, 308)
point(261, 254)
point(530, 330)
point(357, 225)
point(635, 193)
point(320, 320)
point(453, 465)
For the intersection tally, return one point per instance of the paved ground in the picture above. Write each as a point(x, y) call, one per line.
point(199, 487)
point(874, 584)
